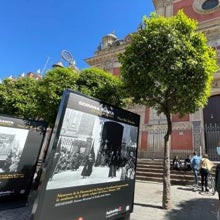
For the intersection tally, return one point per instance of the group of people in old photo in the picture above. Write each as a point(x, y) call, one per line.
point(9, 153)
point(65, 160)
point(91, 149)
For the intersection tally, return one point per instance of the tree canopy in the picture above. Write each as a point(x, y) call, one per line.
point(19, 97)
point(170, 67)
point(51, 88)
point(102, 85)
point(29, 98)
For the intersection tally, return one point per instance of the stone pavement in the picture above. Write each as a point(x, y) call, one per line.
point(186, 204)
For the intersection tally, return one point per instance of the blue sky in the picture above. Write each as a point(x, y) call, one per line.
point(34, 32)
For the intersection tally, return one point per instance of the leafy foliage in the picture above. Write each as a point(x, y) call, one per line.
point(100, 84)
point(39, 99)
point(50, 91)
point(18, 97)
point(172, 64)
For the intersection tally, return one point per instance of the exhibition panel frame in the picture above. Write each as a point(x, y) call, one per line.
point(20, 145)
point(90, 168)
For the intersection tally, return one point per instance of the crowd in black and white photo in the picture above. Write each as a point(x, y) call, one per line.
point(121, 165)
point(10, 164)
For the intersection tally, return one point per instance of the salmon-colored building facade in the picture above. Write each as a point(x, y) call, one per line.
point(188, 132)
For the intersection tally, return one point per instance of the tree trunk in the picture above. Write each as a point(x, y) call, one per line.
point(166, 203)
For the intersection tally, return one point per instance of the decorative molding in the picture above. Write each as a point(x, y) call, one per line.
point(177, 126)
point(199, 4)
point(163, 3)
point(182, 126)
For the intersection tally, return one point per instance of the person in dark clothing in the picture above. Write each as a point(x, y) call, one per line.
point(87, 170)
point(55, 161)
point(113, 165)
point(187, 163)
point(75, 161)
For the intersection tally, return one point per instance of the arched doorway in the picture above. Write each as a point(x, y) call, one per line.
point(112, 136)
point(211, 114)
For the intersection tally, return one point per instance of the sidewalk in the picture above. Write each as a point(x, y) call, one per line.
point(186, 204)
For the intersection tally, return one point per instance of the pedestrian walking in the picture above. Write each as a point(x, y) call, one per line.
point(195, 164)
point(205, 167)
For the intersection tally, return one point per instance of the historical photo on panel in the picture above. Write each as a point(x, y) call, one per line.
point(12, 141)
point(91, 150)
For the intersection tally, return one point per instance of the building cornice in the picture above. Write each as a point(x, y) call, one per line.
point(105, 54)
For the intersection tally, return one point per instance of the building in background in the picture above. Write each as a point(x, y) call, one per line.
point(199, 131)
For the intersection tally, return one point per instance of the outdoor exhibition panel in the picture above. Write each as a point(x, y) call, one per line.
point(20, 145)
point(90, 171)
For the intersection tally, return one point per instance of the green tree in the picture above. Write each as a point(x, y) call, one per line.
point(50, 91)
point(39, 99)
point(100, 84)
point(18, 97)
point(169, 66)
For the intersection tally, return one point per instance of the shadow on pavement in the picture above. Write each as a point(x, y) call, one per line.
point(203, 209)
point(148, 205)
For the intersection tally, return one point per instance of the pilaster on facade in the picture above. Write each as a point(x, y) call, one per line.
point(216, 85)
point(197, 116)
point(164, 7)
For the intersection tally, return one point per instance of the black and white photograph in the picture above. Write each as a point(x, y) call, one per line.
point(90, 152)
point(92, 163)
point(20, 144)
point(12, 141)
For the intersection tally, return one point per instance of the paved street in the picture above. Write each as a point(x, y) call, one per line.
point(186, 205)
